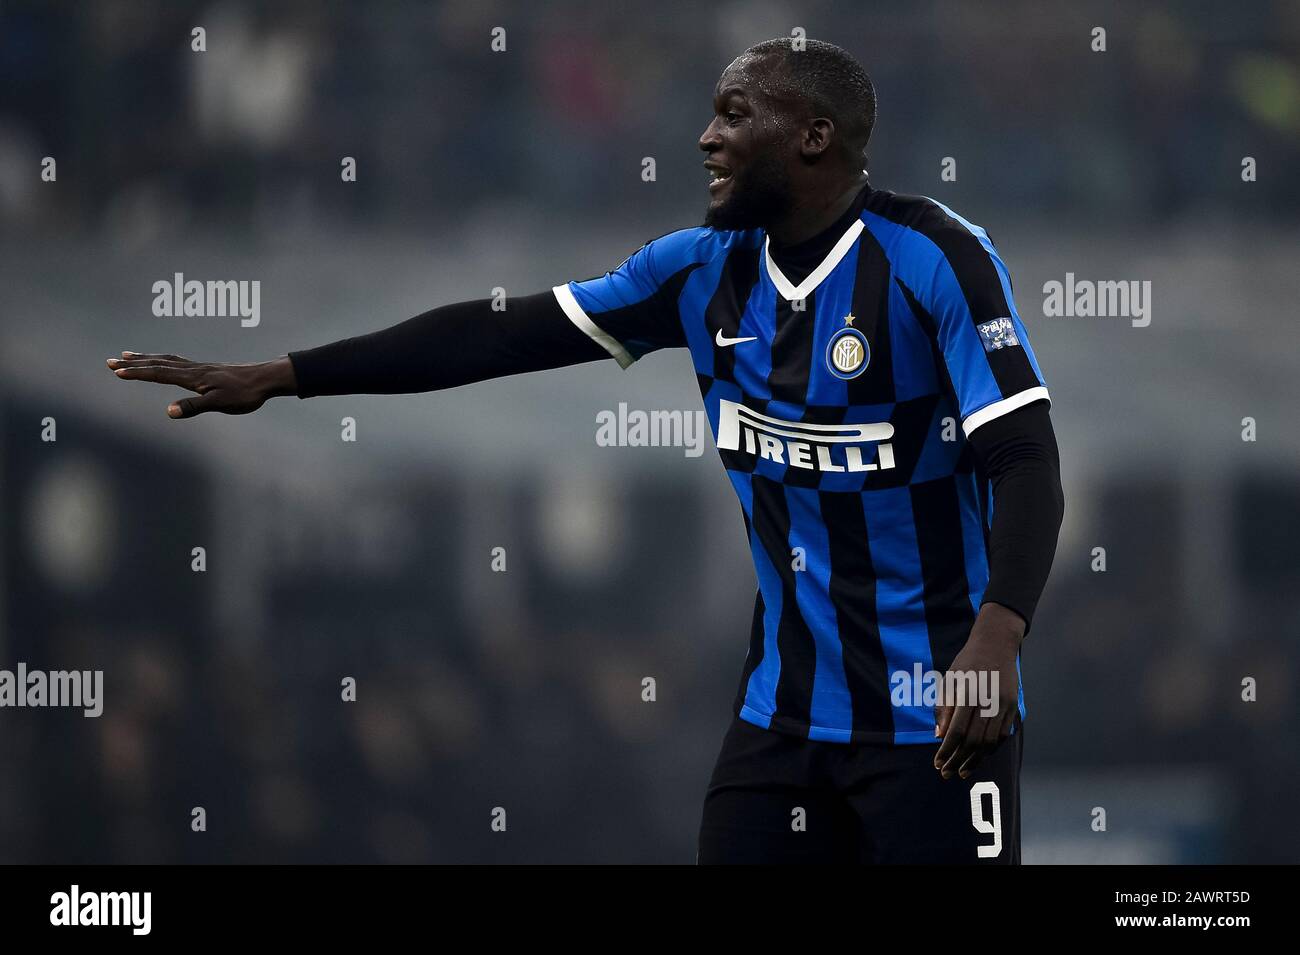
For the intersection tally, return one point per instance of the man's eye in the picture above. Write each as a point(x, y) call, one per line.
point(731, 116)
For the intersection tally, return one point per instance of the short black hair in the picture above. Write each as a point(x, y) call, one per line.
point(829, 79)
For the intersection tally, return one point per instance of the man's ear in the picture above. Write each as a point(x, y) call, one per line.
point(817, 136)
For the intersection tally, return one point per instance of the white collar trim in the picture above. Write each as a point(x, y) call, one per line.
point(792, 293)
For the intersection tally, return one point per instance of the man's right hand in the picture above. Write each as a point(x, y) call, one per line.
point(229, 389)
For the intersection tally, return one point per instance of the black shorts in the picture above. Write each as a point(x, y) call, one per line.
point(776, 798)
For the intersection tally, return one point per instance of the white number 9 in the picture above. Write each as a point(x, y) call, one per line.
point(986, 825)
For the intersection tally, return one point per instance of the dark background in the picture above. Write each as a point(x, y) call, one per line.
point(520, 170)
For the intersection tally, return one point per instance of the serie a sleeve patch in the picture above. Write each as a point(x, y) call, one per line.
point(997, 334)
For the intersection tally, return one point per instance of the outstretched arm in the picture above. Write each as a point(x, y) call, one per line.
point(442, 348)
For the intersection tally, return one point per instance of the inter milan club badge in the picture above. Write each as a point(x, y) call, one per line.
point(847, 353)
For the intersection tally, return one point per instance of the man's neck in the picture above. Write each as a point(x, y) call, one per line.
point(816, 213)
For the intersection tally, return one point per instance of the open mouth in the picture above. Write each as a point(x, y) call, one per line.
point(719, 176)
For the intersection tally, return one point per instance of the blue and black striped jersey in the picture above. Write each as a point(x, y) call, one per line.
point(840, 406)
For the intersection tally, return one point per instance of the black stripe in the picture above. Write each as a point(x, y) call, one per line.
point(975, 272)
point(812, 414)
point(871, 317)
point(853, 594)
point(792, 349)
point(912, 420)
point(936, 512)
point(736, 283)
point(794, 641)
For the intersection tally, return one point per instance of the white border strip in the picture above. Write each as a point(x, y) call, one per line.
point(564, 295)
point(792, 294)
point(999, 408)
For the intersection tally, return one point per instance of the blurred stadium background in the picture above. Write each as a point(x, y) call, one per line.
point(522, 169)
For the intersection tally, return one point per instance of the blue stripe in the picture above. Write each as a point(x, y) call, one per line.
point(900, 599)
point(831, 706)
point(760, 692)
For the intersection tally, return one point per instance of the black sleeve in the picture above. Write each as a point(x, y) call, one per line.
point(445, 347)
point(1018, 451)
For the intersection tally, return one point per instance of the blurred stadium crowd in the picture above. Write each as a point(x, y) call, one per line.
point(250, 131)
point(523, 689)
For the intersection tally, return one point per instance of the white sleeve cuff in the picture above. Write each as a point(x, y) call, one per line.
point(1004, 406)
point(564, 295)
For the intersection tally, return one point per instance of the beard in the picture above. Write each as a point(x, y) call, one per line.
point(758, 198)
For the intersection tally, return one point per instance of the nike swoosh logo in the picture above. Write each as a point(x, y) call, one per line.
point(723, 341)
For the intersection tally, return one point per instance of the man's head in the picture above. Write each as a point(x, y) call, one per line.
point(785, 121)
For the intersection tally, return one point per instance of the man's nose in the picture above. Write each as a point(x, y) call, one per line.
point(710, 140)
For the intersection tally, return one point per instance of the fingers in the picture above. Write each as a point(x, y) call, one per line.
point(158, 355)
point(134, 360)
point(972, 736)
point(116, 363)
point(980, 739)
point(953, 738)
point(166, 369)
point(185, 375)
point(163, 369)
point(189, 407)
point(983, 736)
point(942, 717)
